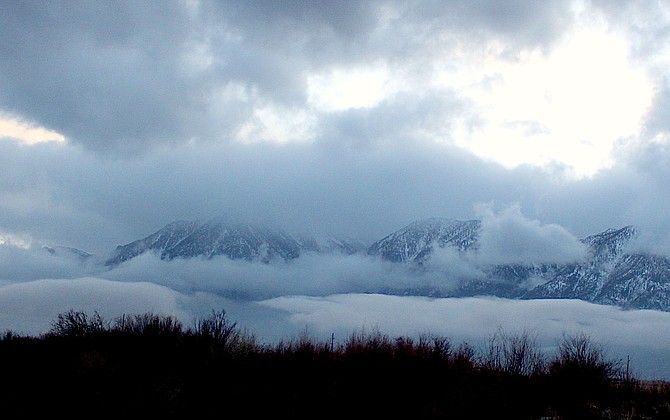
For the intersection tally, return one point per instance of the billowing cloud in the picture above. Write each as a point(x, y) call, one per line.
point(510, 237)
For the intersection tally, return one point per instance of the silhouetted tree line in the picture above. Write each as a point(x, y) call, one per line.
point(152, 365)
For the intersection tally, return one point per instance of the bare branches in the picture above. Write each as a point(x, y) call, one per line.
point(77, 324)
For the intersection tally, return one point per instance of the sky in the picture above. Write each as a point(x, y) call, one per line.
point(548, 120)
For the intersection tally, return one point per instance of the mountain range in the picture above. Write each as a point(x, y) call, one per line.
point(611, 273)
point(220, 237)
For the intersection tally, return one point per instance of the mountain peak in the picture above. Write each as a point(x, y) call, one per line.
point(415, 241)
point(227, 237)
point(610, 243)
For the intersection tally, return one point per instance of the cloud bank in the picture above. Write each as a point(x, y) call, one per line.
point(29, 307)
point(642, 334)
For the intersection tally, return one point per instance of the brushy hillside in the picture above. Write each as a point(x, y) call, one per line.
point(152, 365)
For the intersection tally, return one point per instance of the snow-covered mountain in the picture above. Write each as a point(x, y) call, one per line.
point(330, 244)
point(67, 252)
point(415, 242)
point(611, 274)
point(187, 239)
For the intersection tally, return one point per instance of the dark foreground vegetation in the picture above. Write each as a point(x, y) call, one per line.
point(151, 365)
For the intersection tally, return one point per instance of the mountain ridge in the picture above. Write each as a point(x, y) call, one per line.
point(611, 273)
point(235, 240)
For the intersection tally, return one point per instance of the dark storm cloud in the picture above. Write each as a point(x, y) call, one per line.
point(311, 33)
point(518, 24)
point(64, 196)
point(103, 74)
point(399, 121)
point(121, 76)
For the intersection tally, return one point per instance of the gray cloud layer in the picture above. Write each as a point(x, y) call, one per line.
point(176, 81)
point(64, 196)
point(124, 76)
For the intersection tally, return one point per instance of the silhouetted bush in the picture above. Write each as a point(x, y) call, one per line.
point(149, 325)
point(515, 354)
point(77, 324)
point(582, 377)
point(151, 365)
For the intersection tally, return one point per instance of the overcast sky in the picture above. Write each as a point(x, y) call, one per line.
point(344, 117)
point(549, 120)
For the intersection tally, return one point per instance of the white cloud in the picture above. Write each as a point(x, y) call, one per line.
point(453, 265)
point(476, 318)
point(27, 133)
point(567, 106)
point(31, 306)
point(344, 89)
point(510, 237)
point(32, 262)
point(645, 335)
point(311, 274)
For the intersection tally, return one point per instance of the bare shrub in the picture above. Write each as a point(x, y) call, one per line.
point(77, 324)
point(216, 327)
point(580, 354)
point(374, 343)
point(149, 324)
point(516, 354)
point(224, 335)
